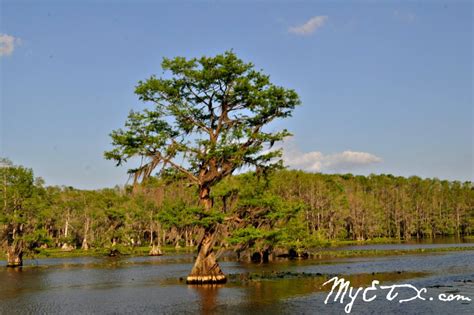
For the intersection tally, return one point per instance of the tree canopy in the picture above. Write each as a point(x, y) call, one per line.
point(210, 112)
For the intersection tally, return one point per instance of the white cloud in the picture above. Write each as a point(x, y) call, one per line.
point(310, 26)
point(316, 161)
point(7, 44)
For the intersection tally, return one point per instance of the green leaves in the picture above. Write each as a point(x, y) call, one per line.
point(180, 215)
point(21, 201)
point(17, 191)
point(250, 235)
point(207, 120)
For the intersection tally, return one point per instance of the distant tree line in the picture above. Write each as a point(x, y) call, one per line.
point(286, 210)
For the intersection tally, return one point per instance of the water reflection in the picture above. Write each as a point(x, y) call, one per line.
point(14, 270)
point(208, 294)
point(151, 285)
point(441, 242)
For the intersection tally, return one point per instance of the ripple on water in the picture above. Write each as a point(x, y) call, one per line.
point(140, 285)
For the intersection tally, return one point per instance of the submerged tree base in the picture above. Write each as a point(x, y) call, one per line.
point(14, 264)
point(114, 253)
point(206, 279)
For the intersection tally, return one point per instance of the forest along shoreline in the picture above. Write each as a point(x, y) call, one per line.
point(288, 213)
point(337, 250)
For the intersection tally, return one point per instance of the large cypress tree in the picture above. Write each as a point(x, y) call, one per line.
point(209, 119)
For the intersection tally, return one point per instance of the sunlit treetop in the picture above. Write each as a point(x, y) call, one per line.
point(207, 121)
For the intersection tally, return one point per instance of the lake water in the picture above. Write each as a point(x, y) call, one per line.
point(150, 285)
point(441, 242)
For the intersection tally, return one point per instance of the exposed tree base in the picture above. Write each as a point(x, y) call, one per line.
point(155, 251)
point(14, 264)
point(206, 270)
point(67, 247)
point(206, 279)
point(14, 257)
point(85, 245)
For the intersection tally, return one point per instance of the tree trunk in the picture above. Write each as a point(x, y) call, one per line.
point(206, 270)
point(457, 222)
point(85, 243)
point(66, 225)
point(155, 251)
point(66, 245)
point(15, 254)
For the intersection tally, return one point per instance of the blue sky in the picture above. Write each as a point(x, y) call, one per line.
point(386, 87)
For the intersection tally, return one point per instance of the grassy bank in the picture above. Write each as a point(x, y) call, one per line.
point(97, 252)
point(324, 253)
point(384, 252)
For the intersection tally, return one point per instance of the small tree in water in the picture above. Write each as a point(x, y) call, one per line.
point(20, 202)
point(208, 121)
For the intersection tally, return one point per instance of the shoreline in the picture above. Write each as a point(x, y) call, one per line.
point(314, 254)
